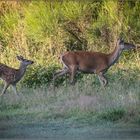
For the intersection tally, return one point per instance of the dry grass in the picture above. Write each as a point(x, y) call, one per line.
point(84, 100)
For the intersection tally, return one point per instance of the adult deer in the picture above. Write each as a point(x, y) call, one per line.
point(12, 76)
point(91, 62)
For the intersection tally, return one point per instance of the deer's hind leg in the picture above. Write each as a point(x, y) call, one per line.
point(102, 79)
point(59, 73)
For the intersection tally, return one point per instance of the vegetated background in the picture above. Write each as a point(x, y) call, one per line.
point(42, 30)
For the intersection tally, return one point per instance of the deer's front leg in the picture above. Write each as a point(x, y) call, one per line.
point(6, 85)
point(102, 79)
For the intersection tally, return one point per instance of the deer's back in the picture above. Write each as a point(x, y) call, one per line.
point(7, 73)
point(86, 61)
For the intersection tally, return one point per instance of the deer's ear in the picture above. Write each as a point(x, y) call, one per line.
point(19, 57)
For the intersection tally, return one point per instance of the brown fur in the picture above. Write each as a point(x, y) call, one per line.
point(7, 73)
point(91, 62)
point(86, 61)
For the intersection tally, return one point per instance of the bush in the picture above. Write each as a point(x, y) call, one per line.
point(38, 76)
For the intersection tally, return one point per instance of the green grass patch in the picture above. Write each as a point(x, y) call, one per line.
point(112, 115)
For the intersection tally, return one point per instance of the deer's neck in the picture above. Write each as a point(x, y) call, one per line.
point(114, 56)
point(21, 71)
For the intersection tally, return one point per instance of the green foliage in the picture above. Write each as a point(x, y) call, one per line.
point(74, 10)
point(37, 30)
point(41, 20)
point(131, 25)
point(8, 23)
point(39, 76)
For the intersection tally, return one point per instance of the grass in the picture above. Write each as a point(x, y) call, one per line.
point(86, 101)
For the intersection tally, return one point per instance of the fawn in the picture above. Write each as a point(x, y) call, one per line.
point(12, 76)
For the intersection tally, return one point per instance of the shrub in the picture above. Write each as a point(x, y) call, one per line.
point(39, 76)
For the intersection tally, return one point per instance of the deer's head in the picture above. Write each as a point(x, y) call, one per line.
point(124, 45)
point(24, 61)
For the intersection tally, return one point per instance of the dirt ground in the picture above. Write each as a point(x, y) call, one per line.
point(63, 129)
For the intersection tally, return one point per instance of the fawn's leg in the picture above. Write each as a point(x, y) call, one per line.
point(6, 85)
point(15, 88)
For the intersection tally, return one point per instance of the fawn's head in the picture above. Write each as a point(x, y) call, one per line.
point(124, 45)
point(24, 61)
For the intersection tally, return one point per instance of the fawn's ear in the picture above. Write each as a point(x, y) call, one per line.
point(120, 41)
point(19, 57)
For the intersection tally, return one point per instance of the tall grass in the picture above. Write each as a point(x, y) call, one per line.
point(38, 31)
